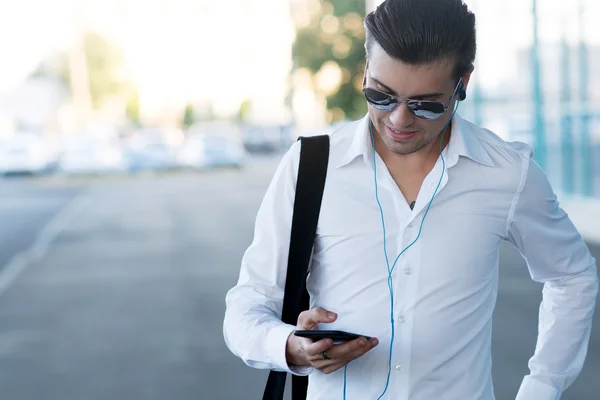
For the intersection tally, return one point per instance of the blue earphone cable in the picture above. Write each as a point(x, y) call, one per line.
point(345, 369)
point(391, 270)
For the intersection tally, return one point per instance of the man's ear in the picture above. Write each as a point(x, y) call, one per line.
point(462, 90)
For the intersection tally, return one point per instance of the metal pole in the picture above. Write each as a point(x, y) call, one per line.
point(566, 134)
point(477, 102)
point(477, 95)
point(79, 72)
point(539, 134)
point(586, 168)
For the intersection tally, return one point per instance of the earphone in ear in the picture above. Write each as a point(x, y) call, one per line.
point(462, 95)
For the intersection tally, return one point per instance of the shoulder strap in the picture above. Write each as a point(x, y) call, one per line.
point(312, 171)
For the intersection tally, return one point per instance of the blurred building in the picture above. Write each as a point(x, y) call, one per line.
point(560, 71)
point(34, 106)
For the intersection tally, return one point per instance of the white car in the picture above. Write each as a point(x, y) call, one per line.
point(92, 155)
point(26, 153)
point(151, 149)
point(259, 139)
point(211, 150)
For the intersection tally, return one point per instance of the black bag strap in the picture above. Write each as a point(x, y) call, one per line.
point(312, 171)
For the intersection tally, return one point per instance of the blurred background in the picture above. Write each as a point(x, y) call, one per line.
point(137, 139)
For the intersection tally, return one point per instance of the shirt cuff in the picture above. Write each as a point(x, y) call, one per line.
point(532, 389)
point(276, 346)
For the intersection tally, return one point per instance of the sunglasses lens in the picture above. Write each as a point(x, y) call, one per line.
point(380, 100)
point(426, 109)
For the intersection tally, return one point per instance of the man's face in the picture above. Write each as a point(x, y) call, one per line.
point(400, 130)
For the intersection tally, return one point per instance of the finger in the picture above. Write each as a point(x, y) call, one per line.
point(330, 366)
point(327, 366)
point(308, 319)
point(351, 350)
point(342, 354)
point(323, 364)
point(328, 369)
point(363, 346)
point(314, 349)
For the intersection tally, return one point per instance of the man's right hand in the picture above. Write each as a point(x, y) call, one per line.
point(303, 352)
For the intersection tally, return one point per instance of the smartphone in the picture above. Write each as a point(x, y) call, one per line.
point(336, 336)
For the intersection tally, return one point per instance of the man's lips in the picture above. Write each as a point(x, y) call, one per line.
point(400, 135)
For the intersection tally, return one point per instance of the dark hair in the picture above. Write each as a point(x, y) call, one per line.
point(421, 32)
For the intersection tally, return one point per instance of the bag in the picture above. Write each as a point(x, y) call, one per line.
point(312, 171)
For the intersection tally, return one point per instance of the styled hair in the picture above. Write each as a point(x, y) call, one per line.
point(422, 32)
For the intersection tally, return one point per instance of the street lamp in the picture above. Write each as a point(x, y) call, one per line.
point(538, 105)
point(586, 168)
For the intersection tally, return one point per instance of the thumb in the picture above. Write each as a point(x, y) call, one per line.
point(311, 318)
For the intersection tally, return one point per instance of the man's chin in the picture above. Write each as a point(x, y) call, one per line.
point(401, 148)
point(403, 151)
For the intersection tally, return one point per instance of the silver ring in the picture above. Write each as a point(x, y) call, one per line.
point(325, 356)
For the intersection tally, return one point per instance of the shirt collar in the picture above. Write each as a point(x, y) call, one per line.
point(360, 145)
point(463, 142)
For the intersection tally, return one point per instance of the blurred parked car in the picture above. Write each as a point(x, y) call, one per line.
point(27, 153)
point(149, 151)
point(259, 139)
point(211, 150)
point(92, 155)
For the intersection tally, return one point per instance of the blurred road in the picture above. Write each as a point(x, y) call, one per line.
point(128, 301)
point(25, 207)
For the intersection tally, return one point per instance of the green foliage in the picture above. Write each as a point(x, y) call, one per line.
point(104, 63)
point(244, 110)
point(56, 66)
point(188, 116)
point(336, 34)
point(133, 108)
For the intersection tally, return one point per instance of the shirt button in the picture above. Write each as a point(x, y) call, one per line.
point(401, 319)
point(398, 367)
point(408, 271)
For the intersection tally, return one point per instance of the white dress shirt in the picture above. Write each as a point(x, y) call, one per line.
point(445, 285)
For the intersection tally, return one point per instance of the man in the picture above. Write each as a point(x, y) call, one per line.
point(408, 238)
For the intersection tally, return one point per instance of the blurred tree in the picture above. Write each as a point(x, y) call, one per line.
point(188, 116)
point(244, 110)
point(331, 47)
point(55, 66)
point(132, 108)
point(93, 71)
point(104, 64)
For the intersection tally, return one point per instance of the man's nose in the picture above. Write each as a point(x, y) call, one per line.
point(401, 116)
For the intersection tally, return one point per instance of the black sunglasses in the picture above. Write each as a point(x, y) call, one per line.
point(424, 109)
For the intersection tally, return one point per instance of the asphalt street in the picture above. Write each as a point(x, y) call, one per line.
point(127, 301)
point(25, 206)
